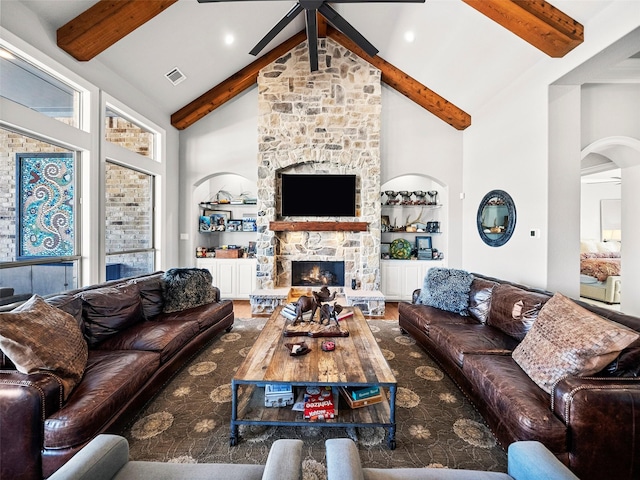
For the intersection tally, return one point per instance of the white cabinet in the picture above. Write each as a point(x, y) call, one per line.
point(236, 278)
point(399, 278)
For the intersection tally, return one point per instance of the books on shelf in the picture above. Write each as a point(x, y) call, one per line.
point(346, 393)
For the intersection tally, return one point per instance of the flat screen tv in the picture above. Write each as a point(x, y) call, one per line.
point(318, 195)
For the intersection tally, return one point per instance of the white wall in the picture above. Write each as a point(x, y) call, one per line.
point(413, 141)
point(590, 197)
point(508, 146)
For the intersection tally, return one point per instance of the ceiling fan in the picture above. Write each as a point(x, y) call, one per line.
point(311, 9)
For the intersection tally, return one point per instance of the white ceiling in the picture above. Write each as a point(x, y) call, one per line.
point(458, 52)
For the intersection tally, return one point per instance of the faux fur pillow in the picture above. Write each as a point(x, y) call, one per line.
point(447, 289)
point(567, 339)
point(38, 337)
point(187, 288)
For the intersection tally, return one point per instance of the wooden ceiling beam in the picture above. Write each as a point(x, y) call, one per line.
point(536, 22)
point(106, 22)
point(407, 85)
point(232, 86)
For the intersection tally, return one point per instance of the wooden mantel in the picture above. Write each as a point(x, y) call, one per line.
point(285, 226)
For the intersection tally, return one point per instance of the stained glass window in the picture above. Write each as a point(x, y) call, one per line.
point(47, 196)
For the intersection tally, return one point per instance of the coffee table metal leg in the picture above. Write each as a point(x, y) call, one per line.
point(391, 439)
point(233, 438)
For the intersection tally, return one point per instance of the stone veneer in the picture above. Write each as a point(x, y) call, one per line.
point(319, 122)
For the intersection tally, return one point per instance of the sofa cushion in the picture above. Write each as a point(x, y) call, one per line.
point(111, 379)
point(447, 289)
point(513, 310)
point(166, 338)
point(525, 409)
point(627, 364)
point(108, 310)
point(423, 316)
point(186, 288)
point(206, 315)
point(151, 294)
point(567, 339)
point(480, 298)
point(458, 340)
point(38, 337)
point(72, 304)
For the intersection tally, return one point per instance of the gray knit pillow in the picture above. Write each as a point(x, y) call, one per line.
point(447, 289)
point(187, 288)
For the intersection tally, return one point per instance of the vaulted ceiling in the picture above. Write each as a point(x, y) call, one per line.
point(464, 52)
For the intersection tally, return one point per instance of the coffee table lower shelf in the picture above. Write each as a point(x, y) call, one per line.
point(247, 408)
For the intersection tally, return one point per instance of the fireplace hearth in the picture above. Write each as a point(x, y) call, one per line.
point(317, 273)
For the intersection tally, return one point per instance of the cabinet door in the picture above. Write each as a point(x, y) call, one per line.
point(226, 278)
point(246, 279)
point(412, 278)
point(391, 280)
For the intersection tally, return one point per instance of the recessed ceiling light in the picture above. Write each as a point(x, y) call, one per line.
point(228, 39)
point(409, 36)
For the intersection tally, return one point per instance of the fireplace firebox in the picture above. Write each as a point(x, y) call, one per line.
point(317, 273)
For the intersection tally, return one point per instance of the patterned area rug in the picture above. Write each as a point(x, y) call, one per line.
point(436, 425)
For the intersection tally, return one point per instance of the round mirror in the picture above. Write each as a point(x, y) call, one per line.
point(496, 218)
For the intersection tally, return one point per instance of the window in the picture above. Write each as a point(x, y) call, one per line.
point(24, 82)
point(124, 132)
point(38, 221)
point(129, 222)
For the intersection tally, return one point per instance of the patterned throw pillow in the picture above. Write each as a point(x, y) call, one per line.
point(567, 339)
point(187, 288)
point(39, 337)
point(447, 289)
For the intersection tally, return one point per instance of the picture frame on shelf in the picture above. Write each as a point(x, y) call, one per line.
point(385, 251)
point(249, 223)
point(385, 223)
point(424, 247)
point(219, 219)
point(234, 225)
point(205, 223)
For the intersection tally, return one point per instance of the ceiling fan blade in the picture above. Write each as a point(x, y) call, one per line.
point(286, 20)
point(345, 27)
point(362, 1)
point(312, 37)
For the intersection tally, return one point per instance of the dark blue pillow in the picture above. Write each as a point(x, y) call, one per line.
point(447, 289)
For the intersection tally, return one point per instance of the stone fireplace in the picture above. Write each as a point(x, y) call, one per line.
point(311, 273)
point(322, 122)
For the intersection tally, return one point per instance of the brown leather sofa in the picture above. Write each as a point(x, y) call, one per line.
point(592, 424)
point(131, 361)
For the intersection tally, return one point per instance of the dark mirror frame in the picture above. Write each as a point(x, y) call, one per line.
point(493, 239)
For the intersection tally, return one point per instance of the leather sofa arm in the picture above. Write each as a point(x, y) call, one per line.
point(25, 400)
point(602, 416)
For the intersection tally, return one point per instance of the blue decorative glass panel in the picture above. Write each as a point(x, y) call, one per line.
point(46, 184)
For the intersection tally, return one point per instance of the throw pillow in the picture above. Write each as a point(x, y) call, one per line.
point(109, 310)
point(567, 339)
point(187, 288)
point(39, 337)
point(447, 289)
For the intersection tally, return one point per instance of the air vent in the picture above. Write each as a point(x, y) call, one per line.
point(175, 76)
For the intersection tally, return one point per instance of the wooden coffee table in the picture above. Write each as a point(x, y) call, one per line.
point(356, 362)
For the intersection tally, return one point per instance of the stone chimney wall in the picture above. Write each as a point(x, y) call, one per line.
point(322, 122)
